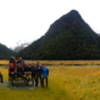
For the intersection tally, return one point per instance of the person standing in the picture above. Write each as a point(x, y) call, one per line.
point(20, 68)
point(12, 68)
point(37, 74)
point(37, 78)
point(44, 76)
point(12, 61)
point(21, 61)
point(1, 77)
point(33, 73)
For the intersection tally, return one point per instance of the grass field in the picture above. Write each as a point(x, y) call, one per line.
point(65, 83)
point(57, 62)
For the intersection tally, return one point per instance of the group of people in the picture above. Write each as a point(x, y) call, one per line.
point(35, 73)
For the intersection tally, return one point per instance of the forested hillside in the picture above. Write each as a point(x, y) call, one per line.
point(69, 37)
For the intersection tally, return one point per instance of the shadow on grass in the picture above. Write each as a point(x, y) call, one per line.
point(8, 85)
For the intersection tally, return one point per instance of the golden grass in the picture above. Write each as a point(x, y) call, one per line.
point(4, 62)
point(61, 62)
point(65, 83)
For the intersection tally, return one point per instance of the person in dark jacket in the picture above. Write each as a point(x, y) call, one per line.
point(21, 61)
point(20, 67)
point(1, 77)
point(27, 72)
point(36, 73)
point(33, 73)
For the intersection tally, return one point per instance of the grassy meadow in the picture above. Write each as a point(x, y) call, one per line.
point(65, 83)
point(61, 62)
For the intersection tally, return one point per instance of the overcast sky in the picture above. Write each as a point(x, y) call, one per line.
point(27, 20)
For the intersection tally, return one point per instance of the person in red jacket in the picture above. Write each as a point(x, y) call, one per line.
point(12, 61)
point(12, 68)
point(12, 71)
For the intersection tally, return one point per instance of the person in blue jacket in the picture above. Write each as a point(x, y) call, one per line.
point(44, 76)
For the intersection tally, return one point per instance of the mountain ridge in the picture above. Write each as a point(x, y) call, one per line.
point(5, 52)
point(69, 37)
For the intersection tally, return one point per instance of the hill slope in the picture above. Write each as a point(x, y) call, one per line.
point(5, 52)
point(67, 38)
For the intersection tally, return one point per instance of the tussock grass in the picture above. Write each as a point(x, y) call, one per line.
point(65, 83)
point(58, 62)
